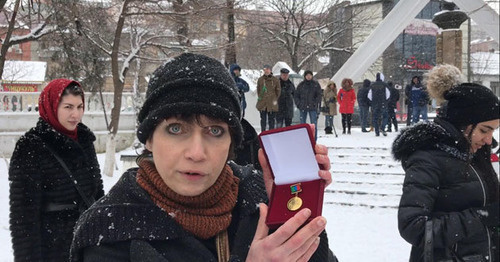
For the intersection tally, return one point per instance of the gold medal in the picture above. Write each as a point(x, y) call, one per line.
point(295, 202)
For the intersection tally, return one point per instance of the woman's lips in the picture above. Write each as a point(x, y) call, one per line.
point(192, 175)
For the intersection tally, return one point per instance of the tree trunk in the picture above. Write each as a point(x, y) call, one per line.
point(118, 83)
point(109, 166)
point(6, 40)
point(181, 23)
point(231, 46)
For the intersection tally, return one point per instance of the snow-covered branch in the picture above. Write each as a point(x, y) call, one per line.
point(36, 33)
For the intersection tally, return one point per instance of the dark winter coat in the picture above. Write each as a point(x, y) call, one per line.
point(44, 203)
point(445, 184)
point(379, 94)
point(242, 85)
point(126, 225)
point(247, 153)
point(408, 89)
point(285, 101)
point(419, 96)
point(268, 91)
point(393, 100)
point(347, 99)
point(363, 94)
point(308, 95)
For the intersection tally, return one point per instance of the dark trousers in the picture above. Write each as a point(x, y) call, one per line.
point(378, 111)
point(409, 114)
point(346, 122)
point(268, 117)
point(280, 118)
point(363, 115)
point(392, 119)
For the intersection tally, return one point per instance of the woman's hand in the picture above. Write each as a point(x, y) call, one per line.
point(322, 158)
point(288, 243)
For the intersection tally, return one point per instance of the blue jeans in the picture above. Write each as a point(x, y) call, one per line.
point(385, 119)
point(363, 115)
point(417, 111)
point(313, 117)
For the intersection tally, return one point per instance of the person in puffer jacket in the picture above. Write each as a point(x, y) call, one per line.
point(449, 207)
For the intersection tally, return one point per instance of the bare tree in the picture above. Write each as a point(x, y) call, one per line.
point(38, 22)
point(299, 27)
point(149, 35)
point(231, 37)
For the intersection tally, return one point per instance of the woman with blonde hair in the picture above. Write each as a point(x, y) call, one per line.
point(449, 206)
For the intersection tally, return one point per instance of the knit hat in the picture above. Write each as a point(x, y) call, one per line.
point(191, 84)
point(48, 102)
point(470, 103)
point(308, 72)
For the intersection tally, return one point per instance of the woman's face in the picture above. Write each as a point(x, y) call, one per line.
point(190, 156)
point(482, 134)
point(70, 111)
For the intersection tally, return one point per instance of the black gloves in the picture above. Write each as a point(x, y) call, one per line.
point(488, 214)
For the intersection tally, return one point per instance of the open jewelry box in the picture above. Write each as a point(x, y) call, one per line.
point(297, 185)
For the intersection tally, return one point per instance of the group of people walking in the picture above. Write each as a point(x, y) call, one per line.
point(382, 99)
point(191, 127)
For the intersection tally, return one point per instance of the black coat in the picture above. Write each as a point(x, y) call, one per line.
point(126, 225)
point(378, 92)
point(308, 95)
point(39, 184)
point(444, 183)
point(393, 100)
point(363, 96)
point(285, 101)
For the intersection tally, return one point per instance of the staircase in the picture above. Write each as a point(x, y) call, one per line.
point(364, 176)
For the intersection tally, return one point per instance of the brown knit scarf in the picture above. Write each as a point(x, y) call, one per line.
point(204, 215)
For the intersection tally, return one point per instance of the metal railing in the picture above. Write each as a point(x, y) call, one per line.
point(28, 102)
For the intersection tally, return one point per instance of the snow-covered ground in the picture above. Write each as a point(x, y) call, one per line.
point(356, 233)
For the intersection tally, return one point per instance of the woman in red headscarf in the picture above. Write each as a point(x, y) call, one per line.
point(54, 176)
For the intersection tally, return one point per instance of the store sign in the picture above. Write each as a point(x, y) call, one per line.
point(20, 87)
point(413, 63)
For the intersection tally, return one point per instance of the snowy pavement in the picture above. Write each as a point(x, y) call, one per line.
point(359, 205)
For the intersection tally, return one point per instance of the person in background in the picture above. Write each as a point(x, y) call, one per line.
point(449, 207)
point(364, 105)
point(308, 99)
point(415, 82)
point(330, 102)
point(347, 99)
point(187, 201)
point(392, 108)
point(268, 92)
point(285, 100)
point(241, 84)
point(46, 200)
point(419, 101)
point(379, 95)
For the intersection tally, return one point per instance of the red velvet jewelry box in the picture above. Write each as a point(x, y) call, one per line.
point(290, 153)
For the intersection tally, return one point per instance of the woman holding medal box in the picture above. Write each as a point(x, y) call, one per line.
point(187, 201)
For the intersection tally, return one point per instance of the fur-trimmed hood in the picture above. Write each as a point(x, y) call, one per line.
point(437, 135)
